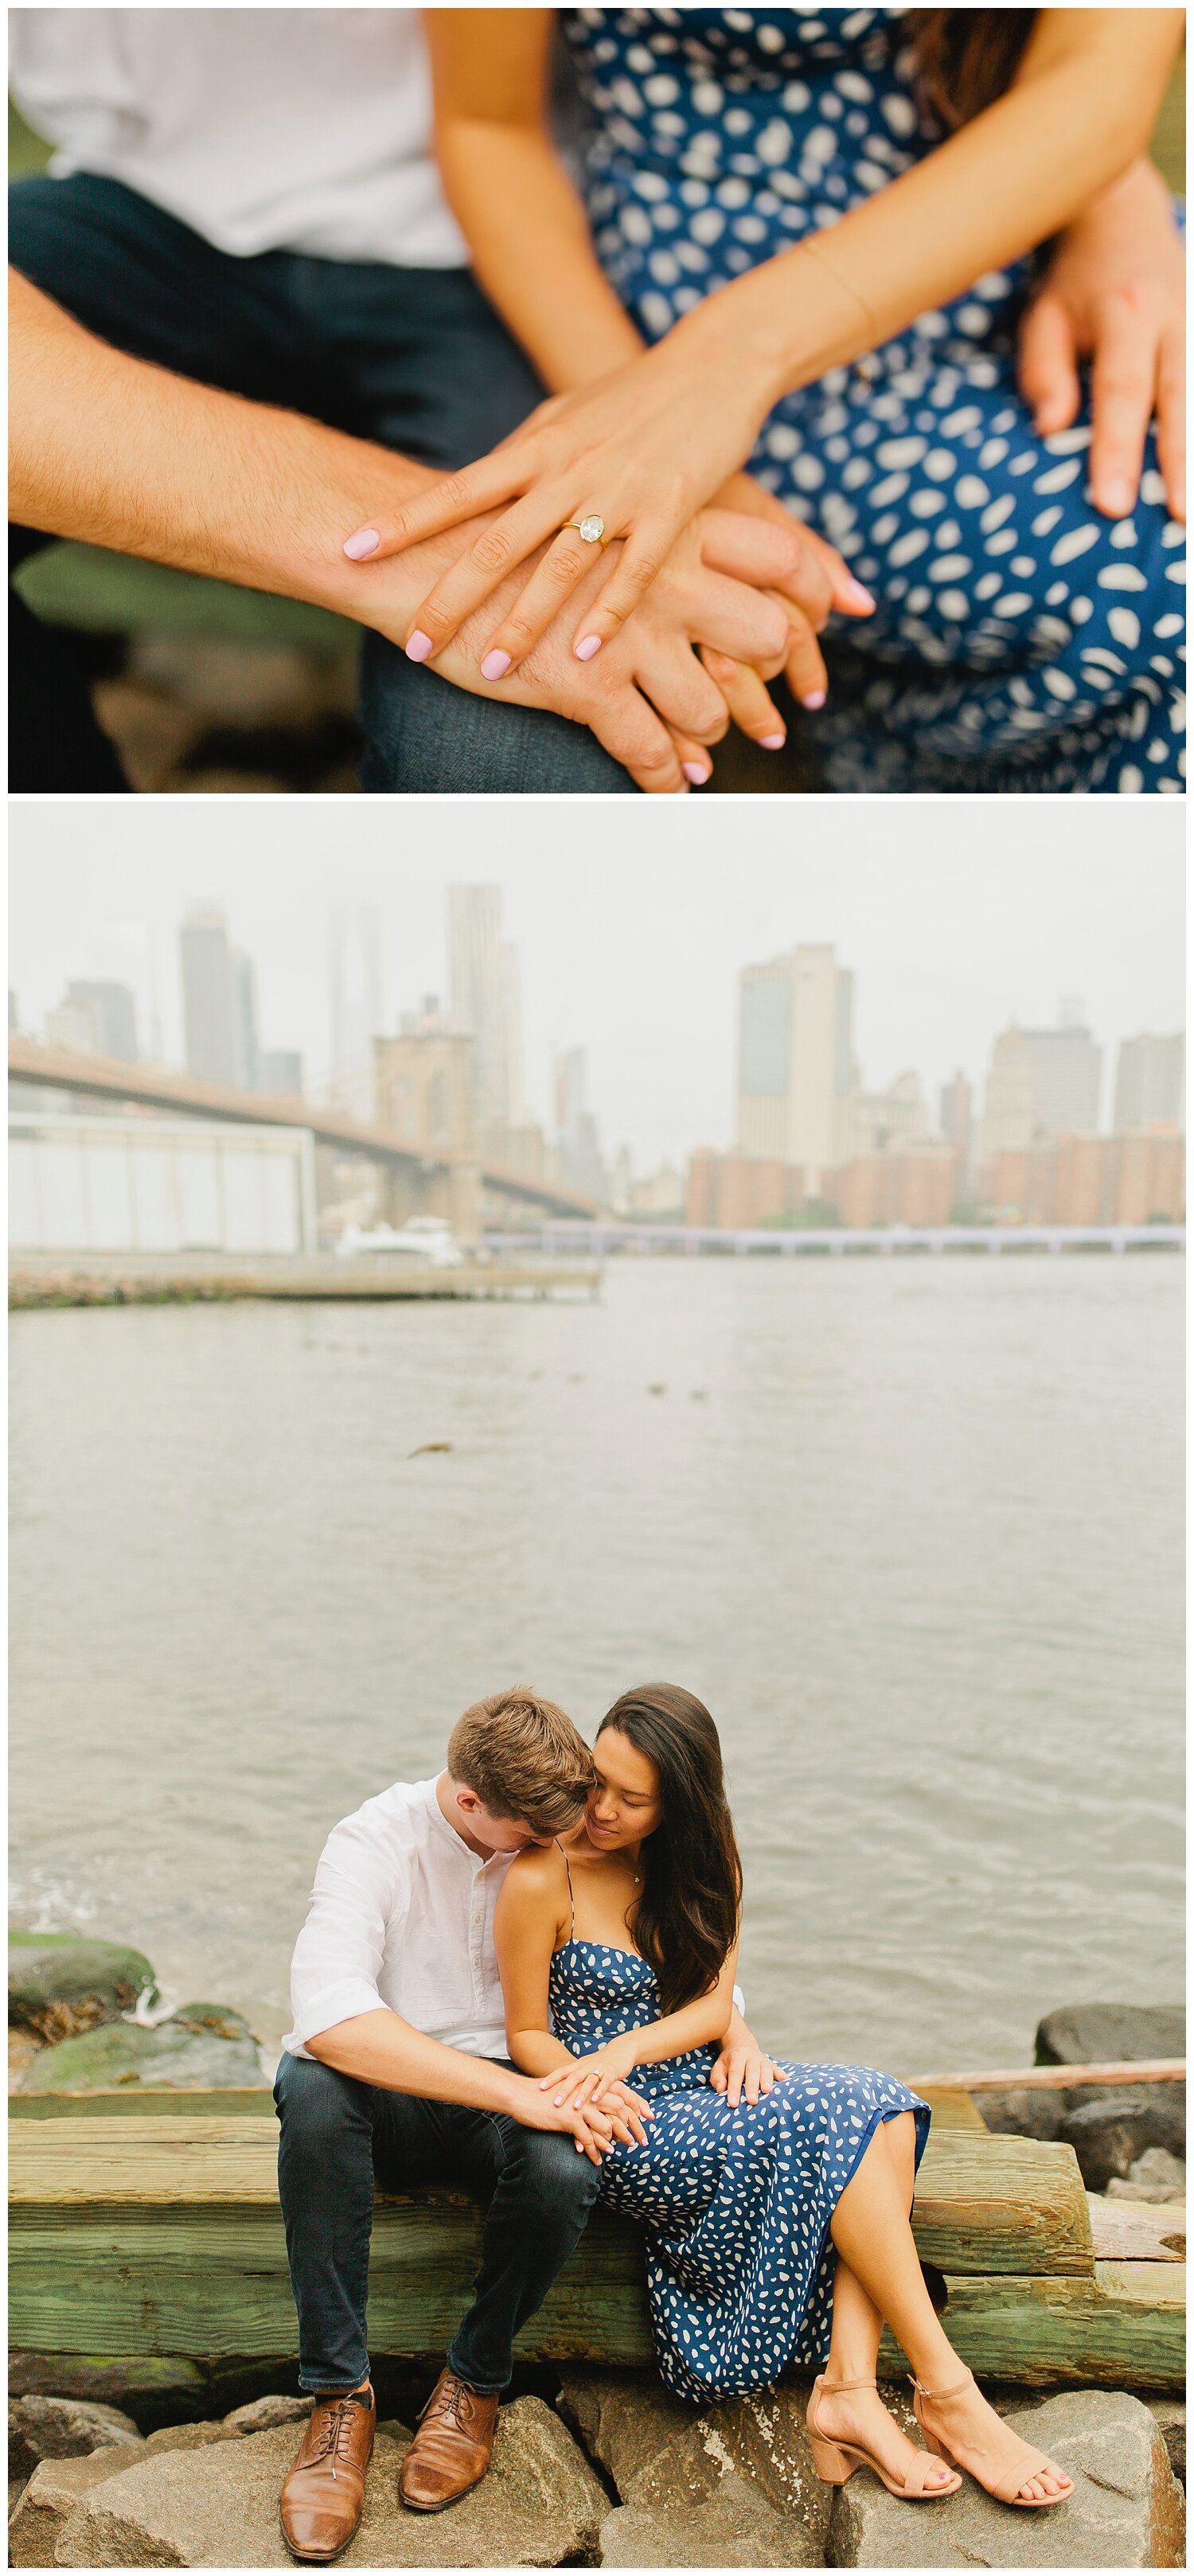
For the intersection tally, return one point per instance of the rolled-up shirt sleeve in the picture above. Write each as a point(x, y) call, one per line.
point(359, 1902)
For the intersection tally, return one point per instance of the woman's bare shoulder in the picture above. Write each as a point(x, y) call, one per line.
point(536, 1883)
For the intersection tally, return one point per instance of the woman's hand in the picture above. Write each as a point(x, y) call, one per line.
point(598, 2083)
point(1115, 293)
point(641, 450)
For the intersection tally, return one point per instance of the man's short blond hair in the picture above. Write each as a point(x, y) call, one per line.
point(523, 1758)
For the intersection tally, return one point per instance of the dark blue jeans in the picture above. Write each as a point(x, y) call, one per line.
point(341, 2139)
point(414, 358)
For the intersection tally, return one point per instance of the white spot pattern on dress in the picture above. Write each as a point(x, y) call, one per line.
point(787, 121)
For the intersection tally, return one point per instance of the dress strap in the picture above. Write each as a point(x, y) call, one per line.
point(571, 1896)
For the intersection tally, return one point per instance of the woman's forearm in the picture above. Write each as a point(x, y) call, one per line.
point(1080, 112)
point(537, 2052)
point(529, 237)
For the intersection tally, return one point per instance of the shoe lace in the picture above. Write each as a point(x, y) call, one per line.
point(336, 2424)
point(454, 2403)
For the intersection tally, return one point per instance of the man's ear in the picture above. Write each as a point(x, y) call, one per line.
point(466, 1798)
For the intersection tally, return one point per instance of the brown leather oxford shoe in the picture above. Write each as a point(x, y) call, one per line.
point(323, 2495)
point(452, 2448)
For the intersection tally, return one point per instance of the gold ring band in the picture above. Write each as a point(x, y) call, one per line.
point(590, 529)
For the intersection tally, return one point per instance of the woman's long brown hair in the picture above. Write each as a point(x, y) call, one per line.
point(967, 58)
point(686, 1919)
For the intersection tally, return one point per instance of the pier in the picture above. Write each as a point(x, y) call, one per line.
point(50, 1279)
point(790, 1243)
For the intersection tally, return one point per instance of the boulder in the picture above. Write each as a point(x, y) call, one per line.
point(748, 2457)
point(264, 2413)
point(59, 1985)
point(150, 2390)
point(1104, 2034)
point(63, 2428)
point(184, 2437)
point(539, 2506)
point(1156, 2175)
point(1126, 2510)
point(1169, 2413)
point(50, 2499)
point(1110, 2131)
point(200, 2044)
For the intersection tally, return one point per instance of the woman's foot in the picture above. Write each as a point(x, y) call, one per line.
point(858, 2415)
point(982, 2444)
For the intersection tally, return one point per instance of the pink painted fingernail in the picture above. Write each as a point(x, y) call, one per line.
point(697, 775)
point(365, 542)
point(772, 741)
point(857, 596)
point(419, 647)
point(591, 645)
point(815, 698)
point(495, 666)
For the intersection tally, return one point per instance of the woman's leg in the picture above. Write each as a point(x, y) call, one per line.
point(870, 2229)
point(857, 2325)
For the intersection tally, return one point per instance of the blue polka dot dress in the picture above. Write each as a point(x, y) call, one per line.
point(1022, 641)
point(736, 2204)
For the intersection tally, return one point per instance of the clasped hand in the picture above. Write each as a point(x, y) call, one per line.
point(595, 2088)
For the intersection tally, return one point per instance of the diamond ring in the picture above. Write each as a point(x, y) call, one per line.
point(590, 530)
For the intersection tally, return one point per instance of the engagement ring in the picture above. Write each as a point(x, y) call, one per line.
point(591, 530)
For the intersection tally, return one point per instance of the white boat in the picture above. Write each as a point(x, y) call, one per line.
point(422, 1238)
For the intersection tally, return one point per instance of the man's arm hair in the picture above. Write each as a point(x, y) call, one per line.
point(124, 454)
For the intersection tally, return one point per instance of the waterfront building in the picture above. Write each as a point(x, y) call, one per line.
point(909, 1184)
point(871, 1122)
point(484, 1001)
point(1088, 1180)
point(1041, 1082)
point(219, 1002)
point(738, 1189)
point(104, 1184)
point(956, 1125)
point(580, 1164)
point(795, 1058)
point(1150, 1082)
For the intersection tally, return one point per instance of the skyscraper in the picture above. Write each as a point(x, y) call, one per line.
point(100, 1017)
point(483, 999)
point(957, 1121)
point(354, 1006)
point(1150, 1083)
point(219, 1002)
point(795, 1058)
point(1041, 1082)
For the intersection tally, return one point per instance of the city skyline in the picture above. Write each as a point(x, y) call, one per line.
point(640, 969)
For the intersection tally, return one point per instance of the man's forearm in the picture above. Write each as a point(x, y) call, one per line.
point(380, 2048)
point(123, 454)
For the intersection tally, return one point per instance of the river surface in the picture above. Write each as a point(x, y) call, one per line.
point(911, 1528)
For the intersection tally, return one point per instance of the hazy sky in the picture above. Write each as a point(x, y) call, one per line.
point(631, 920)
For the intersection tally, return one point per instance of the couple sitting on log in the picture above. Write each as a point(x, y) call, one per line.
point(519, 1977)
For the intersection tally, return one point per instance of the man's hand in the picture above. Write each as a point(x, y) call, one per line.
point(1115, 293)
point(743, 2067)
point(590, 2127)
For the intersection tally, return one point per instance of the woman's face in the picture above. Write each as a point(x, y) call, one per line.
point(624, 1807)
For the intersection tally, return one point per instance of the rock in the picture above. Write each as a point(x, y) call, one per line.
point(1126, 2510)
point(200, 2044)
point(58, 1986)
point(1023, 2111)
point(1104, 2034)
point(748, 2456)
point(151, 2391)
point(1156, 2175)
point(1169, 2413)
point(264, 2413)
point(63, 2428)
point(1132, 2231)
point(1109, 2131)
point(539, 2506)
point(49, 2500)
point(184, 2437)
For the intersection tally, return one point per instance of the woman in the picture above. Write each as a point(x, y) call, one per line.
point(772, 196)
point(777, 2233)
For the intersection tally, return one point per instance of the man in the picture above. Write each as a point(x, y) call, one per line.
point(248, 198)
point(395, 2074)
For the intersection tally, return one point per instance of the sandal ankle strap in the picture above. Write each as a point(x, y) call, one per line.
point(936, 2396)
point(833, 2384)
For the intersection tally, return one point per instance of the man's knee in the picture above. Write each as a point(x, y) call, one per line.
point(554, 2179)
point(316, 2106)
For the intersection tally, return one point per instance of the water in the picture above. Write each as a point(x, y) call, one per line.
point(912, 1529)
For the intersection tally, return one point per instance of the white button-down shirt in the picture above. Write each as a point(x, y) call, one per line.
point(401, 1916)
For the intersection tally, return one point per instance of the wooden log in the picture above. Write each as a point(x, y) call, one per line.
point(1061, 2079)
point(143, 2101)
point(1125, 2328)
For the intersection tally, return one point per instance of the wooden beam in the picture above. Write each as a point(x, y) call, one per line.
point(1061, 2079)
point(1125, 2328)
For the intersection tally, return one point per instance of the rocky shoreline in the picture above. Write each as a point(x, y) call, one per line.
point(177, 2462)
